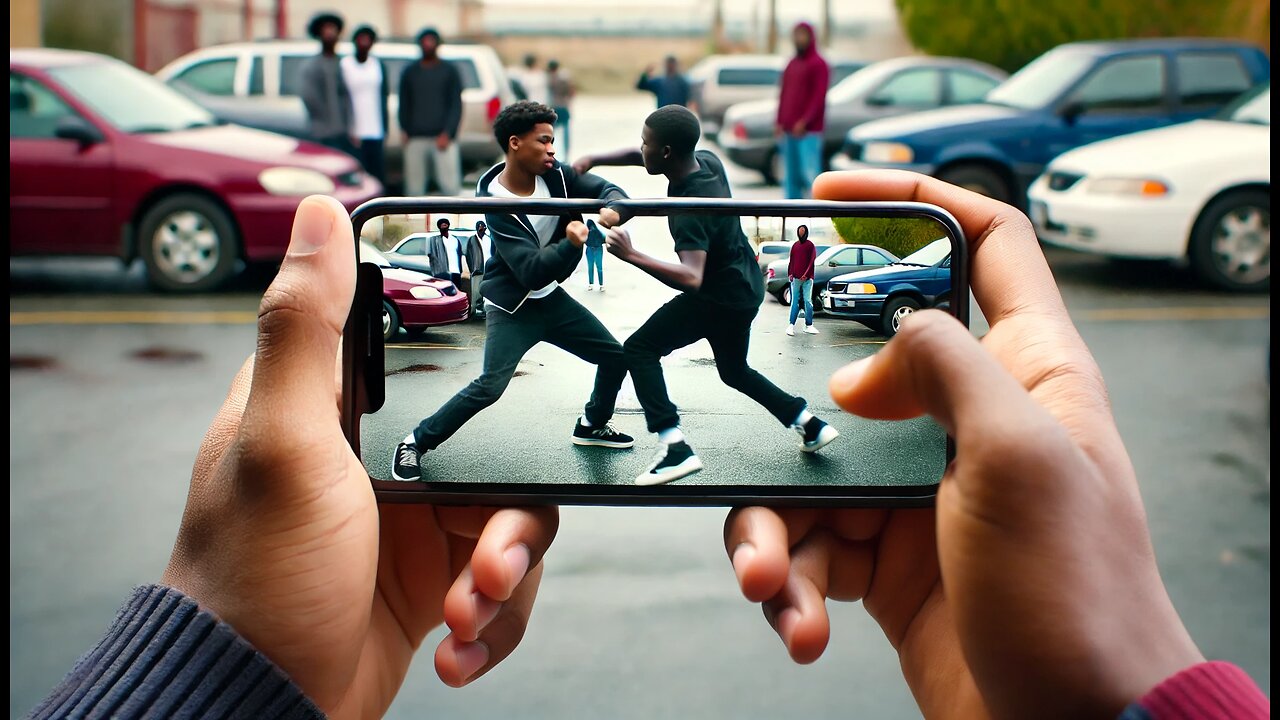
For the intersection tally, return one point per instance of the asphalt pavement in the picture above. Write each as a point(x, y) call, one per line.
point(111, 389)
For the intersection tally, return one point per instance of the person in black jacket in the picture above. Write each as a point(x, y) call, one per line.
point(430, 112)
point(525, 304)
point(366, 80)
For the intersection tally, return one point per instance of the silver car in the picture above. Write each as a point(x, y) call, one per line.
point(883, 89)
point(256, 84)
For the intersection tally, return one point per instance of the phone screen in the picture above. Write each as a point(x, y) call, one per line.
point(505, 373)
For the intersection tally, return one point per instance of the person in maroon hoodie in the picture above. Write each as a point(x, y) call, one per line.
point(800, 275)
point(802, 109)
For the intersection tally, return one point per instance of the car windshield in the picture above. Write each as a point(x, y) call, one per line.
point(856, 85)
point(131, 100)
point(827, 254)
point(1252, 107)
point(1043, 80)
point(370, 254)
point(929, 255)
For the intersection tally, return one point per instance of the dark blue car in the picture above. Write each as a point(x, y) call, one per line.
point(1075, 94)
point(881, 299)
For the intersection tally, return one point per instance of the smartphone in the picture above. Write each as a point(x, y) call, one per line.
point(491, 386)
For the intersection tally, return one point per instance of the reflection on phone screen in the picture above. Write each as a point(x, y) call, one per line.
point(583, 380)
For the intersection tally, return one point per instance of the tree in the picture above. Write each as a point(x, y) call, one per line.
point(900, 236)
point(1011, 33)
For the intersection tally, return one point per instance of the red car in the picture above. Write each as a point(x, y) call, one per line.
point(413, 300)
point(106, 160)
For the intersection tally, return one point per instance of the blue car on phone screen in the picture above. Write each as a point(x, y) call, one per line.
point(881, 299)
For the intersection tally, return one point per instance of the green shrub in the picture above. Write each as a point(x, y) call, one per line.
point(900, 236)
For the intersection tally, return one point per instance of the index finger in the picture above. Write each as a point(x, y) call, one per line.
point(1010, 275)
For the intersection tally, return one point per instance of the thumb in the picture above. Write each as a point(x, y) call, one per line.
point(302, 315)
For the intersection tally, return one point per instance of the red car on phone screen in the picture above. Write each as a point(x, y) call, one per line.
point(413, 300)
point(106, 160)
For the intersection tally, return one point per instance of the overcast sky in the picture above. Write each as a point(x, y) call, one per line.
point(843, 10)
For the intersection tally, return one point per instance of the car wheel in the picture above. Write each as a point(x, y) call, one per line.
point(188, 243)
point(774, 170)
point(390, 321)
point(1231, 242)
point(895, 312)
point(980, 179)
point(784, 295)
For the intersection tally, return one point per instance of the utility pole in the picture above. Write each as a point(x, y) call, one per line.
point(717, 27)
point(773, 27)
point(826, 24)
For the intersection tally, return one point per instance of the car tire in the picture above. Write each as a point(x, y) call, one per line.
point(1241, 218)
point(895, 311)
point(980, 179)
point(188, 243)
point(784, 295)
point(773, 169)
point(390, 321)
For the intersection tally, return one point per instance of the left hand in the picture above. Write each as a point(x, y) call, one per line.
point(283, 539)
point(609, 218)
point(442, 141)
point(799, 129)
point(619, 243)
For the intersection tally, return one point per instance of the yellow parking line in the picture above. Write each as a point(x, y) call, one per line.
point(426, 346)
point(133, 317)
point(1160, 314)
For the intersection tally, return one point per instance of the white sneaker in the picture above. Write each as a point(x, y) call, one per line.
point(811, 330)
point(602, 288)
point(590, 288)
point(791, 329)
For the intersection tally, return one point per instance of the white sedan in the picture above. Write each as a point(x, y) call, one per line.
point(1199, 191)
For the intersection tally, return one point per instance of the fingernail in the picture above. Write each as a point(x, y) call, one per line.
point(470, 658)
point(312, 226)
point(850, 375)
point(742, 556)
point(486, 610)
point(517, 557)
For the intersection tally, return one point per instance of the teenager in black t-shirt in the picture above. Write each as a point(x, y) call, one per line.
point(721, 289)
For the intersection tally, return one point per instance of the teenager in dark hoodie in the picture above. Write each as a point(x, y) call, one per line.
point(524, 302)
point(802, 109)
point(720, 290)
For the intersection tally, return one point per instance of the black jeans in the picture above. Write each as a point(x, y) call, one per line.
point(557, 319)
point(373, 158)
point(684, 321)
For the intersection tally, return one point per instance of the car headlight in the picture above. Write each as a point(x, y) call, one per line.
point(1145, 187)
point(295, 181)
point(861, 289)
point(887, 152)
point(425, 292)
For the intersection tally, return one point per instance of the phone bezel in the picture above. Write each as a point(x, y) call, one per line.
point(358, 359)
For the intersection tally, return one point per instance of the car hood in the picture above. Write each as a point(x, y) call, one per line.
point(963, 116)
point(1186, 145)
point(405, 276)
point(256, 146)
point(888, 272)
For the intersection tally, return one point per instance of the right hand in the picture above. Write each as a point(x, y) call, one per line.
point(577, 232)
point(583, 164)
point(442, 142)
point(1032, 588)
point(610, 218)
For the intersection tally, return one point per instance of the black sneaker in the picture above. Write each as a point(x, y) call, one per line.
point(815, 435)
point(605, 436)
point(405, 464)
point(673, 462)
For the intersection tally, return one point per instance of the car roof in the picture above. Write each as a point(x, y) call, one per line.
point(1188, 43)
point(51, 57)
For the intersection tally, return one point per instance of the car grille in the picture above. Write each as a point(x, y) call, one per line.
point(834, 288)
point(1062, 181)
point(853, 150)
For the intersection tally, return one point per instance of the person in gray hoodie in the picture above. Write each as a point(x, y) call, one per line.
point(524, 302)
point(323, 89)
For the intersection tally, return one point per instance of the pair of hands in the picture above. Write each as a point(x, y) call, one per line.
point(442, 141)
point(797, 130)
point(1031, 589)
point(617, 240)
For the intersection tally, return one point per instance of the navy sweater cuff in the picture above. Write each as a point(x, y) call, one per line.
point(165, 657)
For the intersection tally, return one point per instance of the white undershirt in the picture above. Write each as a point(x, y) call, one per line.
point(543, 225)
point(453, 248)
point(364, 82)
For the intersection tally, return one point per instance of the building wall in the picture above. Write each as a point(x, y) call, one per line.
point(24, 23)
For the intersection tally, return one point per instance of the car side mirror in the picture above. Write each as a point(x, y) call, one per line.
point(78, 129)
point(879, 101)
point(1072, 112)
point(833, 263)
